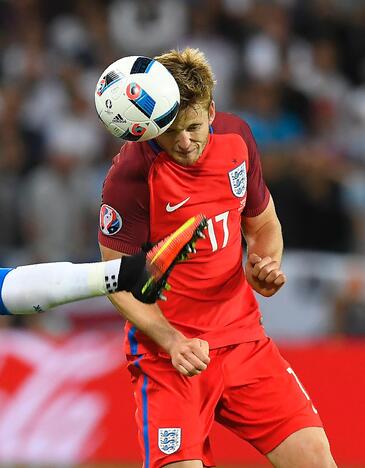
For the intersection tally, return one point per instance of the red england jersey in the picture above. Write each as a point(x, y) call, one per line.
point(147, 195)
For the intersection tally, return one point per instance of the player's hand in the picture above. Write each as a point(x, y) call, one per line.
point(190, 356)
point(264, 275)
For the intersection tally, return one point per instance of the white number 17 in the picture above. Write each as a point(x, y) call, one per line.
point(213, 239)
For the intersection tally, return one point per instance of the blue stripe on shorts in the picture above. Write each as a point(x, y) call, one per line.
point(146, 439)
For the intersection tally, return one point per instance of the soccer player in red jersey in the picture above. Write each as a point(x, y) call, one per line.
point(204, 355)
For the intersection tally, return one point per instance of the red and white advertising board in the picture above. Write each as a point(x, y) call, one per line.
point(69, 400)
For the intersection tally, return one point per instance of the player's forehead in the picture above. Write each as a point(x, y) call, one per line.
point(189, 116)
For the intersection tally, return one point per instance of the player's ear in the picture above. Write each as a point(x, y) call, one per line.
point(211, 112)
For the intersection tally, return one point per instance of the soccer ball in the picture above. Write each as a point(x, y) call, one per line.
point(137, 98)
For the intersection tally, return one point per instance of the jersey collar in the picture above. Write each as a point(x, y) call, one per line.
point(156, 148)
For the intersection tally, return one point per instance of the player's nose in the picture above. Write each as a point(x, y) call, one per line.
point(183, 141)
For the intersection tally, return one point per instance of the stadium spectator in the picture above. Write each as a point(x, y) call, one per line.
point(146, 26)
point(56, 205)
point(349, 307)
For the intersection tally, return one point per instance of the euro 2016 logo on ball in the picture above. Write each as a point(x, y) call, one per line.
point(133, 91)
point(144, 95)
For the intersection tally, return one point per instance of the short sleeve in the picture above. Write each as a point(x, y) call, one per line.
point(124, 211)
point(258, 195)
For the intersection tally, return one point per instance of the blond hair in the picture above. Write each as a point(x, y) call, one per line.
point(193, 75)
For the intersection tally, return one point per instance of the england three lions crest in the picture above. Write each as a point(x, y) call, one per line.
point(169, 439)
point(238, 180)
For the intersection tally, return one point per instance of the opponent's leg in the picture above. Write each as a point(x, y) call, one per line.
point(35, 288)
point(306, 448)
point(172, 249)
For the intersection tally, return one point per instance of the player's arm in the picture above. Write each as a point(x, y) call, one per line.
point(35, 288)
point(188, 356)
point(264, 251)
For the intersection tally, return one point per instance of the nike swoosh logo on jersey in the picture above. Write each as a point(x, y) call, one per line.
point(171, 208)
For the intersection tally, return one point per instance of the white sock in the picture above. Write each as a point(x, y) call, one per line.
point(36, 288)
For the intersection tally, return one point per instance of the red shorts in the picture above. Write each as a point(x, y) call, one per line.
point(249, 388)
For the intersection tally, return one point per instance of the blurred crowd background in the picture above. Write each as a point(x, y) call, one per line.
point(294, 70)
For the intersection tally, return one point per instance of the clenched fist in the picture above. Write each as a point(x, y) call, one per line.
point(190, 356)
point(264, 275)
